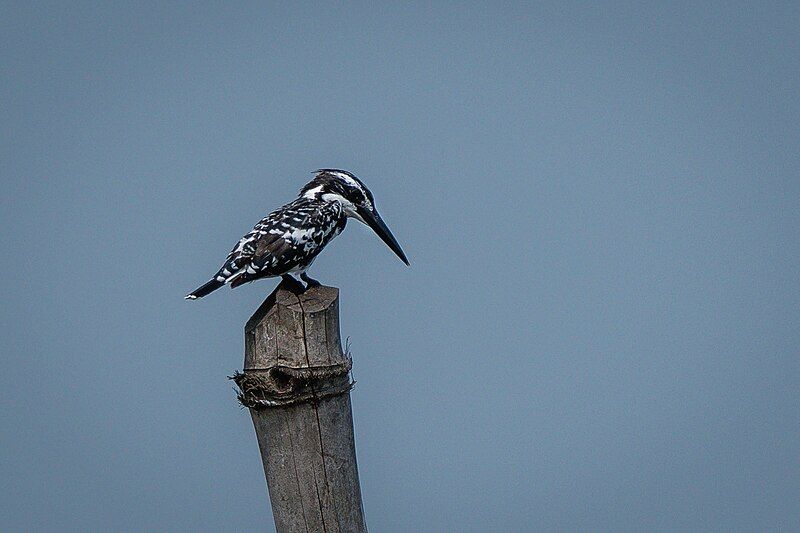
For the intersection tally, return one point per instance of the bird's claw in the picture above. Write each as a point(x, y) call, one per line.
point(310, 282)
point(292, 285)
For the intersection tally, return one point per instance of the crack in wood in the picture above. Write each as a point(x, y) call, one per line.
point(315, 407)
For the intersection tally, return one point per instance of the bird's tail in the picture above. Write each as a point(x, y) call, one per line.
point(203, 290)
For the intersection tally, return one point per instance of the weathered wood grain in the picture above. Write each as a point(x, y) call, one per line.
point(296, 384)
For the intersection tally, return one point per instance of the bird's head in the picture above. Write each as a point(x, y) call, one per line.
point(332, 185)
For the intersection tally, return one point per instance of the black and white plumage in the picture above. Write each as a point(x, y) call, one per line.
point(287, 241)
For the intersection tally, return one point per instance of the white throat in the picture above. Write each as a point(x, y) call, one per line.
point(347, 206)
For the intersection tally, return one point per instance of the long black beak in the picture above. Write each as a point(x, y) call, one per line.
point(374, 221)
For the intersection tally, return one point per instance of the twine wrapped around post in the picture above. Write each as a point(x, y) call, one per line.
point(296, 383)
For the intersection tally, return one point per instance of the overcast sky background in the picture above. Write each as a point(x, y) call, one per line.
point(600, 328)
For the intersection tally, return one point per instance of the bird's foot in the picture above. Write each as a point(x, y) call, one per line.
point(292, 285)
point(311, 282)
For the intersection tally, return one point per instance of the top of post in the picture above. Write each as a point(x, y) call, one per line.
point(295, 331)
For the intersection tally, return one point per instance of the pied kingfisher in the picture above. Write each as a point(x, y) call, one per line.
point(287, 241)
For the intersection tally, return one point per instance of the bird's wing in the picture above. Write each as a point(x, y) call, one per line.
point(279, 239)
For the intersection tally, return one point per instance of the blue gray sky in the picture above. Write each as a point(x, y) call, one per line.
point(600, 327)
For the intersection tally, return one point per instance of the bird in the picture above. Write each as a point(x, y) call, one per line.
point(287, 241)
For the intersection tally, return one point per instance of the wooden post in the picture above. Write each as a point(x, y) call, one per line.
point(296, 383)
